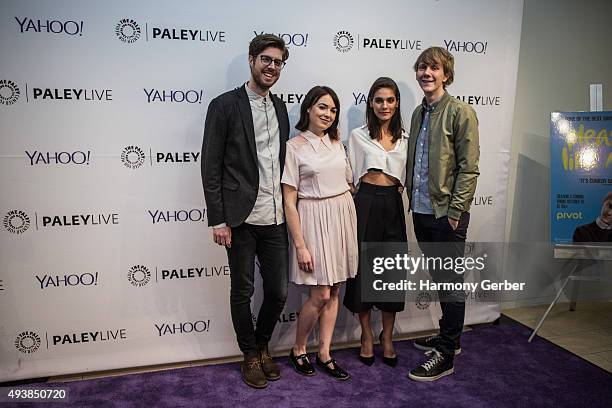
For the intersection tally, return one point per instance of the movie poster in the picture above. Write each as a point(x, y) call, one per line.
point(581, 177)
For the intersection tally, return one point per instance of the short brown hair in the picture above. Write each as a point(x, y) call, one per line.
point(441, 56)
point(263, 41)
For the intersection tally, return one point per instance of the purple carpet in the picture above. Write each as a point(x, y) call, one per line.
point(497, 368)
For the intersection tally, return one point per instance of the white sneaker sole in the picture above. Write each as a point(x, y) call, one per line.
point(437, 377)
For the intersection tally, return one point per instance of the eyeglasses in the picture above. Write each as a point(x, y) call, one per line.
point(267, 60)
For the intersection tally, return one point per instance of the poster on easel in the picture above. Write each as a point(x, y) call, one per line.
point(581, 177)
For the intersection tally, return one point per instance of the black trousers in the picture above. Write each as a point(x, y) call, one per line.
point(270, 244)
point(380, 218)
point(430, 232)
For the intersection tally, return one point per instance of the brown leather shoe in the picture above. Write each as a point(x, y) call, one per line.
point(268, 366)
point(252, 373)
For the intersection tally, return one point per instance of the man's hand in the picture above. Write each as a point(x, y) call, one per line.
point(223, 236)
point(453, 223)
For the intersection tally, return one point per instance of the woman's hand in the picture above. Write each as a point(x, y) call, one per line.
point(305, 260)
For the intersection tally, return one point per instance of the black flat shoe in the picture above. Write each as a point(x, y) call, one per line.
point(305, 368)
point(366, 360)
point(335, 372)
point(390, 361)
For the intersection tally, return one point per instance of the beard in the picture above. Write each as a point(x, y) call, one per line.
point(257, 78)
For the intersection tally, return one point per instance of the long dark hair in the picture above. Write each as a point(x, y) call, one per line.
point(396, 126)
point(310, 99)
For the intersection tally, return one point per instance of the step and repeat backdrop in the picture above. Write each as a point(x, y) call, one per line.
point(106, 260)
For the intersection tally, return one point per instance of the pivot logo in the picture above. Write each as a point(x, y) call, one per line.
point(195, 215)
point(343, 41)
point(78, 157)
point(27, 342)
point(477, 47)
point(84, 279)
point(290, 98)
point(133, 157)
point(16, 222)
point(89, 337)
point(127, 30)
point(298, 39)
point(423, 300)
point(480, 100)
point(9, 92)
point(199, 326)
point(69, 27)
point(171, 95)
point(139, 275)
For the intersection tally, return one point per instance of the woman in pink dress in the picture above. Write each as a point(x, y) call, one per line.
point(322, 223)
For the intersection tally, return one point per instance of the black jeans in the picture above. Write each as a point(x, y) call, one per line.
point(270, 244)
point(430, 232)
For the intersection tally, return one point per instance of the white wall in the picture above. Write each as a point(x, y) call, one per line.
point(565, 46)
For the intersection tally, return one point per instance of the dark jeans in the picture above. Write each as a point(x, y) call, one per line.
point(270, 244)
point(430, 232)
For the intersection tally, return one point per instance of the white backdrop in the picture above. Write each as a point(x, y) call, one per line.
point(106, 260)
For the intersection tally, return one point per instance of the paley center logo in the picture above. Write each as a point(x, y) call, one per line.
point(133, 157)
point(27, 342)
point(127, 30)
point(9, 92)
point(140, 275)
point(344, 40)
point(423, 300)
point(89, 336)
point(16, 221)
point(480, 100)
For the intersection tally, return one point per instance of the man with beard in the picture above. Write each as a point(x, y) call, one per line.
point(243, 155)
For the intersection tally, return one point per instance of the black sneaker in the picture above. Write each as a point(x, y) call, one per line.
point(429, 343)
point(434, 368)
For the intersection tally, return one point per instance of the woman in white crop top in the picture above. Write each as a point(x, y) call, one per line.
point(377, 153)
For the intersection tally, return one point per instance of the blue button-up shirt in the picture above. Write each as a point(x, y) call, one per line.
point(420, 179)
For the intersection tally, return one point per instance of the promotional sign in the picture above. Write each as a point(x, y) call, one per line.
point(581, 175)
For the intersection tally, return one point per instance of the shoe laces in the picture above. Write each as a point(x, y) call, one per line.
point(436, 357)
point(253, 364)
point(434, 337)
point(265, 355)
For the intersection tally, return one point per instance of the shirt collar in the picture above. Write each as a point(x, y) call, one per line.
point(316, 142)
point(254, 96)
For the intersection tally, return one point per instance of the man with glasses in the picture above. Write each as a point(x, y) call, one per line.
point(243, 155)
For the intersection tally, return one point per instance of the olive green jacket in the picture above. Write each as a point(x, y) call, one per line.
point(453, 155)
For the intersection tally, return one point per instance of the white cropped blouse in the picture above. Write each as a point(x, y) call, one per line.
point(366, 153)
